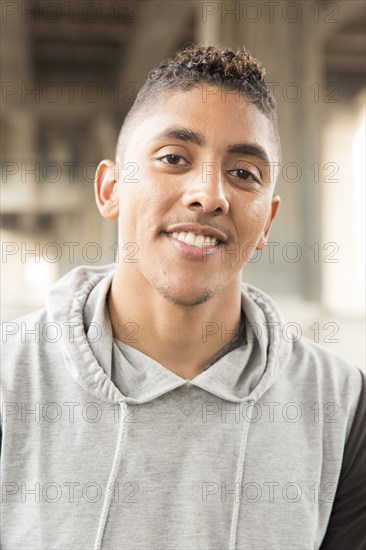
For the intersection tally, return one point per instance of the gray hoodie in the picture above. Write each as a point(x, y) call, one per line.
point(103, 447)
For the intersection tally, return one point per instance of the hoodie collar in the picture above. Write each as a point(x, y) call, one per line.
point(94, 358)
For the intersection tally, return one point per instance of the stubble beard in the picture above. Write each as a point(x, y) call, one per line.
point(168, 292)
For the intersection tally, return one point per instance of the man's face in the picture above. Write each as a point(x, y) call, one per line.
point(199, 160)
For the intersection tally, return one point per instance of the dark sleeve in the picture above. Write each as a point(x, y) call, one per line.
point(347, 522)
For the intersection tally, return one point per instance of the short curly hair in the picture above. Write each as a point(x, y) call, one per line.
point(230, 70)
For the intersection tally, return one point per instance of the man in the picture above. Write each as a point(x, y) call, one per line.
point(163, 405)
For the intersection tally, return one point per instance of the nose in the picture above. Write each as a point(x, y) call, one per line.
point(206, 191)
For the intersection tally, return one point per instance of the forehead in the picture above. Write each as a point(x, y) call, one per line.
point(221, 117)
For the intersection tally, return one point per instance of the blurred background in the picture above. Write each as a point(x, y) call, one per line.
point(70, 72)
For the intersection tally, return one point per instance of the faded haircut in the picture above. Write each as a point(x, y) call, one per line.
point(195, 65)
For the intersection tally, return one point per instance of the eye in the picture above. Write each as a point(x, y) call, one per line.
point(245, 175)
point(173, 160)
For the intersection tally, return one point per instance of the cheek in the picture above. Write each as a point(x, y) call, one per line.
point(149, 192)
point(251, 217)
point(144, 208)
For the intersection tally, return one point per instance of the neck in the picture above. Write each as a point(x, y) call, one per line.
point(181, 338)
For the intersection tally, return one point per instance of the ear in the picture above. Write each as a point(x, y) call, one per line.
point(106, 189)
point(276, 200)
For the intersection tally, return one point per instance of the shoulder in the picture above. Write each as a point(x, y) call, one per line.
point(329, 378)
point(325, 365)
point(19, 330)
point(25, 341)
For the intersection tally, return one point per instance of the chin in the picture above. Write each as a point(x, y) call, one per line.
point(183, 295)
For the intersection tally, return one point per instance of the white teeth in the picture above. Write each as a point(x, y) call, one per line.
point(190, 238)
point(199, 240)
point(194, 240)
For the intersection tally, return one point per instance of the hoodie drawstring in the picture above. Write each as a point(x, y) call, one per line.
point(239, 479)
point(114, 471)
point(110, 484)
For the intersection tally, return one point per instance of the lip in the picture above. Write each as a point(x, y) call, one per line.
point(190, 251)
point(198, 230)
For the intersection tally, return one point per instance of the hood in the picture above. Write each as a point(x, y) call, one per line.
point(77, 303)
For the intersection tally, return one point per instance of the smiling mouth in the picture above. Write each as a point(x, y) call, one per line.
point(199, 241)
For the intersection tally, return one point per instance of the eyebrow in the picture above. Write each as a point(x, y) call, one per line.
point(187, 135)
point(182, 134)
point(250, 149)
